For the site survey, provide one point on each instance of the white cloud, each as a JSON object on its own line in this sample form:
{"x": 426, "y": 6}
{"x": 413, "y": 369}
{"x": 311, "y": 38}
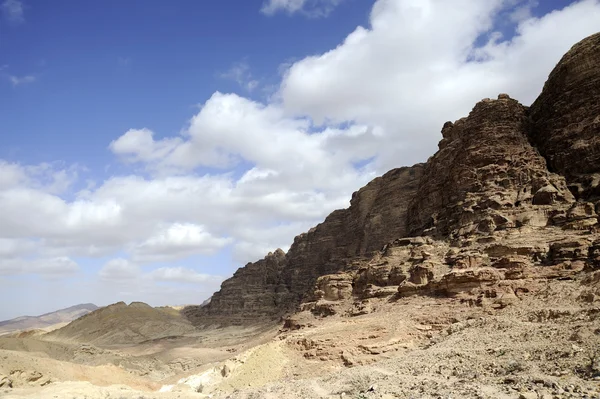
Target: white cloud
{"x": 240, "y": 73}
{"x": 522, "y": 10}
{"x": 13, "y": 11}
{"x": 59, "y": 266}
{"x": 230, "y": 129}
{"x": 11, "y": 174}
{"x": 310, "y": 8}
{"x": 417, "y": 66}
{"x": 138, "y": 145}
{"x": 177, "y": 241}
{"x": 126, "y": 272}
{"x": 18, "y": 81}
{"x": 11, "y": 248}
{"x": 183, "y": 275}
{"x": 119, "y": 269}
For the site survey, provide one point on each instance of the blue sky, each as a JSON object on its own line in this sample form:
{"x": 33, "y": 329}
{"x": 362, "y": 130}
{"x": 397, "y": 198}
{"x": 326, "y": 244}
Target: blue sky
{"x": 103, "y": 67}
{"x": 149, "y": 148}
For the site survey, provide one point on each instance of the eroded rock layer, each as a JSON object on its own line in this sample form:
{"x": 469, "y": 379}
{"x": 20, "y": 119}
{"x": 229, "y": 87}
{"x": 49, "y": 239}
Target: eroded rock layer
{"x": 488, "y": 214}
{"x": 485, "y": 176}
{"x": 566, "y": 118}
{"x": 279, "y": 282}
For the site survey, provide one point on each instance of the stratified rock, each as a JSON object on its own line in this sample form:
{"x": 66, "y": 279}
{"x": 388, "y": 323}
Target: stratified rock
{"x": 484, "y": 176}
{"x": 566, "y": 118}
{"x": 376, "y": 215}
{"x": 253, "y": 292}
{"x": 334, "y": 287}
{"x": 489, "y": 213}
{"x": 278, "y": 283}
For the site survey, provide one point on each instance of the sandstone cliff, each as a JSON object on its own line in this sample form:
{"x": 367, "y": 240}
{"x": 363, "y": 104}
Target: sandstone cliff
{"x": 566, "y": 118}
{"x": 278, "y": 283}
{"x": 485, "y": 176}
{"x": 490, "y": 212}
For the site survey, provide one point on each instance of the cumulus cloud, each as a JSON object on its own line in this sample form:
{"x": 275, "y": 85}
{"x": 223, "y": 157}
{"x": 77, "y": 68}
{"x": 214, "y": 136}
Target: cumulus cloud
{"x": 310, "y": 8}
{"x": 138, "y": 145}
{"x": 522, "y": 10}
{"x": 230, "y": 129}
{"x": 11, "y": 248}
{"x": 177, "y": 241}
{"x": 13, "y": 11}
{"x": 119, "y": 269}
{"x": 418, "y": 65}
{"x": 125, "y": 272}
{"x": 183, "y": 275}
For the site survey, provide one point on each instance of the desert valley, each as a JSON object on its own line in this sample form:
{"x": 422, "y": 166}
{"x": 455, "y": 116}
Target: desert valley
{"x": 473, "y": 275}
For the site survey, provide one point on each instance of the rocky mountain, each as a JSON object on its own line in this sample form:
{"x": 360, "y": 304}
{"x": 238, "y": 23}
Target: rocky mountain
{"x": 120, "y": 323}
{"x": 566, "y": 119}
{"x": 509, "y": 199}
{"x": 277, "y": 283}
{"x": 46, "y": 320}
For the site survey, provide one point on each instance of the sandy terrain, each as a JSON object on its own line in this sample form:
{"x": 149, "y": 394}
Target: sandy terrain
{"x": 545, "y": 346}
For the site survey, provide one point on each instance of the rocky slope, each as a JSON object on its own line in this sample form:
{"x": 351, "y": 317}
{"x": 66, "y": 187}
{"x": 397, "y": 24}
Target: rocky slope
{"x": 276, "y": 284}
{"x": 46, "y": 320}
{"x": 122, "y": 324}
{"x": 502, "y": 203}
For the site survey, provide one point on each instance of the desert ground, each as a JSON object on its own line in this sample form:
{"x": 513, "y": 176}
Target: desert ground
{"x": 545, "y": 345}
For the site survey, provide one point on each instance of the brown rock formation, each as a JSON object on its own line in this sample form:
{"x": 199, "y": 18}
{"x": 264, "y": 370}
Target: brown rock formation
{"x": 492, "y": 209}
{"x": 254, "y": 291}
{"x": 566, "y": 118}
{"x": 485, "y": 176}
{"x": 278, "y": 283}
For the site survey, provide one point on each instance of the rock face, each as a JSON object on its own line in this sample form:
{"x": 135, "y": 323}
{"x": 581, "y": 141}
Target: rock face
{"x": 566, "y": 118}
{"x": 279, "y": 282}
{"x": 254, "y": 291}
{"x": 485, "y": 176}
{"x": 490, "y": 211}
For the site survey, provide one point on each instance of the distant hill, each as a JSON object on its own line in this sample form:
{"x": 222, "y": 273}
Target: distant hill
{"x": 46, "y": 320}
{"x": 122, "y": 324}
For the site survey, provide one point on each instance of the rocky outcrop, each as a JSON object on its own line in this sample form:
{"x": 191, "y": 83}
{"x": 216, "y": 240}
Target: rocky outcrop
{"x": 486, "y": 176}
{"x": 566, "y": 119}
{"x": 279, "y": 282}
{"x": 490, "y": 212}
{"x": 254, "y": 291}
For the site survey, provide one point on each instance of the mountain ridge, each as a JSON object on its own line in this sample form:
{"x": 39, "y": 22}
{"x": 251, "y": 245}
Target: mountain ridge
{"x": 502, "y": 169}
{"x": 120, "y": 323}
{"x": 47, "y": 319}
